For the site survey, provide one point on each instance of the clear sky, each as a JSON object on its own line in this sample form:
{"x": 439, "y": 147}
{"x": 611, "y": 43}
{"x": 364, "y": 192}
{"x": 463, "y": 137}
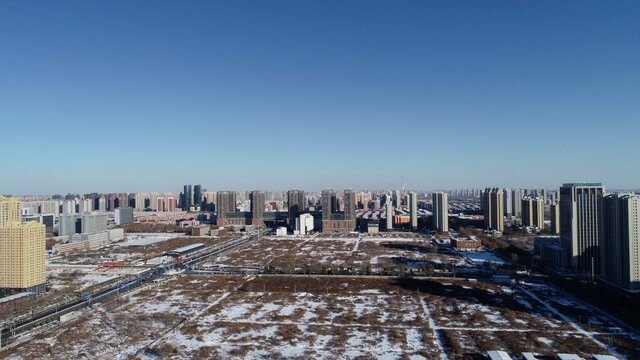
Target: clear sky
{"x": 134, "y": 96}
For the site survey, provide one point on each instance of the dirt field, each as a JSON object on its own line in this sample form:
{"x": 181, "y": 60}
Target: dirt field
{"x": 327, "y": 318}
{"x": 378, "y": 251}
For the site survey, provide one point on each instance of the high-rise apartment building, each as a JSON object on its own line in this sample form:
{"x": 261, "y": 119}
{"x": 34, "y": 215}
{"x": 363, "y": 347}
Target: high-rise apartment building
{"x": 257, "y": 198}
{"x": 516, "y": 202}
{"x": 492, "y": 205}
{"x": 85, "y": 205}
{"x": 209, "y": 201}
{"x": 295, "y": 203}
{"x": 620, "y": 247}
{"x": 413, "y": 209}
{"x": 389, "y": 214}
{"x": 508, "y": 202}
{"x": 329, "y": 203}
{"x": 171, "y": 204}
{"x": 102, "y": 205}
{"x": 555, "y": 218}
{"x": 10, "y": 211}
{"x": 141, "y": 201}
{"x": 153, "y": 201}
{"x": 349, "y": 204}
{"x": 22, "y": 250}
{"x": 332, "y": 219}
{"x": 225, "y": 203}
{"x": 533, "y": 212}
{"x": 581, "y": 224}
{"x": 440, "y": 203}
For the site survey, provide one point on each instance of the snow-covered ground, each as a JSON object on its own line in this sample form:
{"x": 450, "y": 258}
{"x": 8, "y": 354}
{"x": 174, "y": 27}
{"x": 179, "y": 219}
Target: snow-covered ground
{"x": 481, "y": 257}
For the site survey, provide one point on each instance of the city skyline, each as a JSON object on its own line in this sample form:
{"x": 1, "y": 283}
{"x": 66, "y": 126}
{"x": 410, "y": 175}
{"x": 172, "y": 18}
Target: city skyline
{"x": 318, "y": 191}
{"x": 172, "y": 91}
{"x": 297, "y": 179}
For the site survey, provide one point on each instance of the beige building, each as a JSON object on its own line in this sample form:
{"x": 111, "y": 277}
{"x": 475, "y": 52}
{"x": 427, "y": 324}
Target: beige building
{"x": 140, "y": 201}
{"x": 555, "y": 218}
{"x": 10, "y": 211}
{"x": 533, "y": 212}
{"x": 22, "y": 250}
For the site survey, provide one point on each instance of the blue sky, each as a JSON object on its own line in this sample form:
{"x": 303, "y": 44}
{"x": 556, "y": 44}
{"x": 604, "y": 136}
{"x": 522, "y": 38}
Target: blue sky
{"x": 149, "y": 95}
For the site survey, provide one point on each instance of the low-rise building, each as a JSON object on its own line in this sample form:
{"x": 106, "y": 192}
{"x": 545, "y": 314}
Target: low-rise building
{"x": 304, "y": 224}
{"x": 219, "y": 231}
{"x": 200, "y": 230}
{"x": 467, "y": 244}
{"x": 550, "y": 250}
{"x": 373, "y": 227}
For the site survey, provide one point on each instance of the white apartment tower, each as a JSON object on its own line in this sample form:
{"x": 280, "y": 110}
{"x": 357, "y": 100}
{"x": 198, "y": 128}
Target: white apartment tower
{"x": 413, "y": 208}
{"x": 440, "y": 211}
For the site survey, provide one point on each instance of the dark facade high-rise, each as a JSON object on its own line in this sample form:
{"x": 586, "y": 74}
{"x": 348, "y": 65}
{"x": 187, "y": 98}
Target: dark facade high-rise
{"x": 581, "y": 224}
{"x": 493, "y": 207}
{"x": 187, "y": 198}
{"x": 620, "y": 248}
{"x": 332, "y": 219}
{"x": 349, "y": 204}
{"x": 225, "y": 203}
{"x": 295, "y": 203}
{"x": 329, "y": 203}
{"x": 257, "y": 198}
{"x": 197, "y": 195}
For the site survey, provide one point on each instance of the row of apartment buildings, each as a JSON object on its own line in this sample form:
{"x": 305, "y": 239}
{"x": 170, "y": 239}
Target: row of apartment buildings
{"x": 598, "y": 231}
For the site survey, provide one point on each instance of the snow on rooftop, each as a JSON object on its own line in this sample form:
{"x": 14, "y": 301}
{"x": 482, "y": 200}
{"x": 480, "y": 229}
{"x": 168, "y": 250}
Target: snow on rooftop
{"x": 498, "y": 355}
{"x": 569, "y": 357}
{"x": 188, "y": 247}
{"x": 604, "y": 357}
{"x": 16, "y": 296}
{"x": 144, "y": 241}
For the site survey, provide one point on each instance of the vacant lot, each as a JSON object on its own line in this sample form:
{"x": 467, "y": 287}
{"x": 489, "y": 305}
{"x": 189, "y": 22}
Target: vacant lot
{"x": 327, "y": 317}
{"x": 322, "y": 252}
